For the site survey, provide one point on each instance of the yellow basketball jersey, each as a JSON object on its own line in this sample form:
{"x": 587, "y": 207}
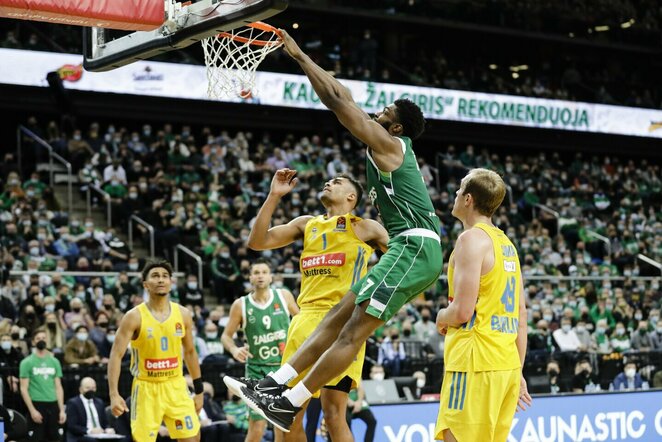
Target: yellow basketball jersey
{"x": 487, "y": 341}
{"x": 333, "y": 259}
{"x": 156, "y": 354}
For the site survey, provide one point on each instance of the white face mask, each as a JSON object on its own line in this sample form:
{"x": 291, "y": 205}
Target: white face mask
{"x": 420, "y": 383}
{"x": 81, "y": 336}
{"x": 630, "y": 372}
{"x": 566, "y": 328}
{"x": 213, "y": 335}
{"x": 111, "y": 338}
{"x": 192, "y": 285}
{"x": 378, "y": 376}
{"x": 6, "y": 345}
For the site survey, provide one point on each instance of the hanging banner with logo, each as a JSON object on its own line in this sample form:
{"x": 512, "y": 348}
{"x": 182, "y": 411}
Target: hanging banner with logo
{"x": 29, "y": 68}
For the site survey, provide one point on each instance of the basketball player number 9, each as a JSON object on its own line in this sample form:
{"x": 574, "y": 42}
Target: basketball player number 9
{"x": 266, "y": 320}
{"x": 508, "y": 297}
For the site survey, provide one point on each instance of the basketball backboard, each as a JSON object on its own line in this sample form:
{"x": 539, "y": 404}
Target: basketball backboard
{"x": 183, "y": 25}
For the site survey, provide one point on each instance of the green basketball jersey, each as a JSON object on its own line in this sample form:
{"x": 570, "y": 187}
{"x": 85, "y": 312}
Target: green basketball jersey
{"x": 265, "y": 328}
{"x": 401, "y": 196}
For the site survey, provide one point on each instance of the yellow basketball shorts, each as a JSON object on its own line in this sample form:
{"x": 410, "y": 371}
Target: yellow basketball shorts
{"x": 168, "y": 402}
{"x": 478, "y": 406}
{"x": 303, "y": 324}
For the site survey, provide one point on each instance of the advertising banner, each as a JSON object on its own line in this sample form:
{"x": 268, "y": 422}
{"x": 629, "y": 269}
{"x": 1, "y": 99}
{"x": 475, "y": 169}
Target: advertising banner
{"x": 634, "y": 416}
{"x": 29, "y": 68}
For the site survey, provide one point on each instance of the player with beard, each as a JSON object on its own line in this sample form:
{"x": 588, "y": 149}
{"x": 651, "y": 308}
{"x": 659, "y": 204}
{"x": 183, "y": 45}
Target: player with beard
{"x": 159, "y": 332}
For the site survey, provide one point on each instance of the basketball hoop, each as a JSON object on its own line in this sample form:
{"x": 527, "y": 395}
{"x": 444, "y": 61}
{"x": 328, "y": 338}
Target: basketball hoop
{"x": 232, "y": 58}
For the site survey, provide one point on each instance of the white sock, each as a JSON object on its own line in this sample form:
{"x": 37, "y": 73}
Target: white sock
{"x": 284, "y": 374}
{"x": 298, "y": 395}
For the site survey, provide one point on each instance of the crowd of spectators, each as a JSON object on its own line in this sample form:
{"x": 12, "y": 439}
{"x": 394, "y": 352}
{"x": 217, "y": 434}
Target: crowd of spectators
{"x": 559, "y": 17}
{"x": 202, "y": 187}
{"x": 411, "y": 57}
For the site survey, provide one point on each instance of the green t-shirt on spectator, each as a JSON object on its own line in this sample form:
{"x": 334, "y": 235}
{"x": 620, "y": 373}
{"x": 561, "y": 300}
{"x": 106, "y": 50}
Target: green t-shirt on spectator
{"x": 42, "y": 373}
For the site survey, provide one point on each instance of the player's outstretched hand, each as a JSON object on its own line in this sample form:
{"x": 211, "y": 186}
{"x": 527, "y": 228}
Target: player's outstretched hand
{"x": 290, "y": 46}
{"x": 118, "y": 406}
{"x": 241, "y": 354}
{"x": 524, "y": 400}
{"x": 283, "y": 182}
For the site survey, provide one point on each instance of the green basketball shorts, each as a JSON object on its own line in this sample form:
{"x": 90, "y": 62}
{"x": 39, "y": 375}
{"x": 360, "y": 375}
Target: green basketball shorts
{"x": 412, "y": 263}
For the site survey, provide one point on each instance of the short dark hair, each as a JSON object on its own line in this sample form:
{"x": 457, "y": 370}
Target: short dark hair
{"x": 152, "y": 264}
{"x": 357, "y": 186}
{"x": 264, "y": 261}
{"x": 37, "y": 331}
{"x": 82, "y": 326}
{"x": 410, "y": 117}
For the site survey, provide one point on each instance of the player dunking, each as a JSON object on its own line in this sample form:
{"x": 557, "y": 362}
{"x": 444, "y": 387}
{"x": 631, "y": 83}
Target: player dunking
{"x": 160, "y": 334}
{"x": 264, "y": 315}
{"x": 485, "y": 324}
{"x": 335, "y": 256}
{"x": 411, "y": 264}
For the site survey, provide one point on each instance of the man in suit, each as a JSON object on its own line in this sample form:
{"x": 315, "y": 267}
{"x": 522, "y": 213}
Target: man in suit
{"x": 86, "y": 414}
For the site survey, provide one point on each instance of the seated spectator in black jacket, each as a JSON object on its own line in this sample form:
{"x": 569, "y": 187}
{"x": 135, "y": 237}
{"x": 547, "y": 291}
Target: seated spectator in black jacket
{"x": 555, "y": 383}
{"x": 86, "y": 414}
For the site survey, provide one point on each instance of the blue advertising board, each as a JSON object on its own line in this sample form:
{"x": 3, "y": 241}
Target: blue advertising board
{"x": 633, "y": 416}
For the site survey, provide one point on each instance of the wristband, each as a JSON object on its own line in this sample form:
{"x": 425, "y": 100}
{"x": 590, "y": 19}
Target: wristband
{"x": 198, "y": 388}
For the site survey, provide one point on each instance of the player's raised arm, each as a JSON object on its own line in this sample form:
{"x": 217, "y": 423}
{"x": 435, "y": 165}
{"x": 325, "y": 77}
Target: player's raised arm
{"x": 264, "y": 238}
{"x": 129, "y": 324}
{"x": 338, "y": 99}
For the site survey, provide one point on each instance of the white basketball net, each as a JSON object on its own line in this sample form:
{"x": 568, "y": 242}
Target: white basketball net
{"x": 232, "y": 58}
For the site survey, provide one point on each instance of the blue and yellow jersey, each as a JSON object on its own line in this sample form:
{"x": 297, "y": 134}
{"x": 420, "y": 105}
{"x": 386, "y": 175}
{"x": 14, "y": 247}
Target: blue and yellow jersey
{"x": 487, "y": 341}
{"x": 156, "y": 354}
{"x": 333, "y": 259}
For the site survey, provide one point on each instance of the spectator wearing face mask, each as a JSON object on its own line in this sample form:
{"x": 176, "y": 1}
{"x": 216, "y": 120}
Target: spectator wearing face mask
{"x": 115, "y": 172}
{"x": 629, "y": 379}
{"x": 16, "y": 341}
{"x": 80, "y": 350}
{"x": 603, "y": 310}
{"x": 620, "y": 340}
{"x": 28, "y": 319}
{"x": 584, "y": 379}
{"x": 565, "y": 337}
{"x": 226, "y": 276}
{"x": 554, "y": 373}
{"x": 601, "y": 341}
{"x": 41, "y": 390}
{"x": 55, "y": 338}
{"x": 10, "y": 358}
{"x": 656, "y": 337}
{"x": 213, "y": 343}
{"x": 192, "y": 294}
{"x": 641, "y": 339}
{"x": 584, "y": 336}
{"x": 86, "y": 414}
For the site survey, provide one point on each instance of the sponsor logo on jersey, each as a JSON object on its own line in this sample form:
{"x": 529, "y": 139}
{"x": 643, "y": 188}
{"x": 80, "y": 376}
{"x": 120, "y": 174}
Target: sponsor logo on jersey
{"x": 314, "y": 232}
{"x": 179, "y": 330}
{"x": 270, "y": 337}
{"x": 150, "y": 332}
{"x": 179, "y": 425}
{"x": 326, "y": 260}
{"x": 161, "y": 364}
{"x": 341, "y": 224}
